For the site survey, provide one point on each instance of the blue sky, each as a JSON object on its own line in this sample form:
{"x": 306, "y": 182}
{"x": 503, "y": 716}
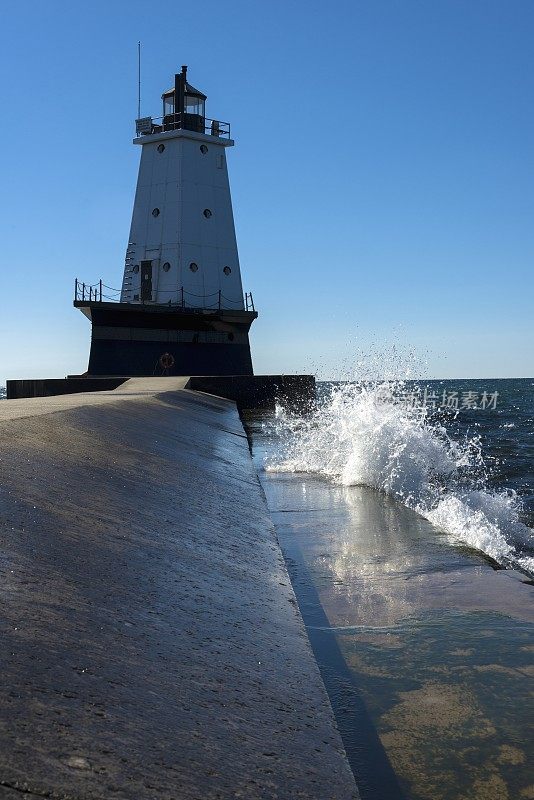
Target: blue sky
{"x": 382, "y": 179}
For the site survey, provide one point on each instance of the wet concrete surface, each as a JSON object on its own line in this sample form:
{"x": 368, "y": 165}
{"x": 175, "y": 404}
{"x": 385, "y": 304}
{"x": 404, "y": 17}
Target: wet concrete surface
{"x": 152, "y": 646}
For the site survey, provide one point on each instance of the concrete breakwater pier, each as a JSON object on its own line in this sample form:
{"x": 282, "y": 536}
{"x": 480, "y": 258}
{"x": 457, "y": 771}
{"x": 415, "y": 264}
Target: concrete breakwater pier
{"x": 248, "y": 391}
{"x": 152, "y": 646}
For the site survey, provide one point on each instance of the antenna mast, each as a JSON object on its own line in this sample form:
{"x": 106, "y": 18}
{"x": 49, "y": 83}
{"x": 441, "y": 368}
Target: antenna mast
{"x": 138, "y": 80}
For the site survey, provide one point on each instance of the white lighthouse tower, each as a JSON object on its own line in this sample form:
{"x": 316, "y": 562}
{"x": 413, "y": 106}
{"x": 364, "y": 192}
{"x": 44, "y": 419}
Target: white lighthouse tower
{"x": 182, "y": 308}
{"x": 182, "y": 240}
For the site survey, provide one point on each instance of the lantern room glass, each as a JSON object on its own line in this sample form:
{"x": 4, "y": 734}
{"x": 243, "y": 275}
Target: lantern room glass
{"x": 194, "y": 105}
{"x": 168, "y": 104}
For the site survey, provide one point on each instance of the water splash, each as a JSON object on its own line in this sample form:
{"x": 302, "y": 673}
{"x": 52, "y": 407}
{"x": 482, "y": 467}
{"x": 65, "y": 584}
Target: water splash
{"x": 359, "y": 436}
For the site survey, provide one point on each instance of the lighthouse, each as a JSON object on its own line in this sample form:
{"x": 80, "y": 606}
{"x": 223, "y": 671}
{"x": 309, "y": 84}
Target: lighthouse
{"x": 181, "y": 309}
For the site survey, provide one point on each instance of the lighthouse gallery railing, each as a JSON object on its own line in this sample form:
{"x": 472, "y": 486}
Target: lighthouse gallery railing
{"x": 101, "y": 293}
{"x": 146, "y": 126}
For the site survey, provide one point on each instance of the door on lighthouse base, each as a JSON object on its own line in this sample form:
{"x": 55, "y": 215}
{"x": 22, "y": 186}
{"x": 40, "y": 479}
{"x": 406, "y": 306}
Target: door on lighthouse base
{"x": 146, "y": 281}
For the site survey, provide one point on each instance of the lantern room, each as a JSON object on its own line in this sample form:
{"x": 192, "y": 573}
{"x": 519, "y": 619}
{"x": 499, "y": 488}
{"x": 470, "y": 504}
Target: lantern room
{"x": 184, "y": 106}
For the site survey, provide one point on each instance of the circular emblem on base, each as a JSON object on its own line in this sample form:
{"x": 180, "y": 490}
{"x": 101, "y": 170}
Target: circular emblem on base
{"x": 166, "y": 361}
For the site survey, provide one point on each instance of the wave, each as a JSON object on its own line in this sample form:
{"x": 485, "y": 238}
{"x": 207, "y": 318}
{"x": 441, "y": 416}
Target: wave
{"x": 361, "y": 435}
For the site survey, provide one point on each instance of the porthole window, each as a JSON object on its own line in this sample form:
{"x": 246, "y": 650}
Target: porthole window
{"x": 227, "y": 270}
{"x": 193, "y": 267}
{"x": 166, "y": 266}
{"x": 155, "y": 212}
{"x": 161, "y": 148}
{"x": 203, "y": 149}
{"x": 135, "y": 268}
{"x": 207, "y": 213}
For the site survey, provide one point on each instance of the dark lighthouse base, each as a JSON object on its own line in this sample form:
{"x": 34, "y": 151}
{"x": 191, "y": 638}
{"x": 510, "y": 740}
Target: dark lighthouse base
{"x": 146, "y": 340}
{"x": 209, "y": 349}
